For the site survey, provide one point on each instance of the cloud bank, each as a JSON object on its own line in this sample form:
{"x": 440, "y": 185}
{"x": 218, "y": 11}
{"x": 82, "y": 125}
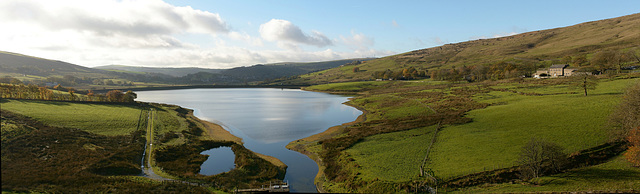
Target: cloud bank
{"x": 285, "y": 32}
{"x": 155, "y": 33}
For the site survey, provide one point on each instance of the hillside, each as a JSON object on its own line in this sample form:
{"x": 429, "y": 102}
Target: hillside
{"x": 19, "y": 65}
{"x": 38, "y": 71}
{"x": 541, "y": 48}
{"x": 175, "y": 72}
{"x": 471, "y": 134}
{"x": 237, "y": 75}
{"x": 278, "y": 70}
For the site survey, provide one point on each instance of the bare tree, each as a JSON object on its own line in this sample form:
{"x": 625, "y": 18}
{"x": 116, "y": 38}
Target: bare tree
{"x": 584, "y": 81}
{"x": 539, "y": 157}
{"x": 626, "y": 116}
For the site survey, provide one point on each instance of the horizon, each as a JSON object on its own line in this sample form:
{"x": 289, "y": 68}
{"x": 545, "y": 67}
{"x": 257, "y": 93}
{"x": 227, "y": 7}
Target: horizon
{"x": 224, "y": 35}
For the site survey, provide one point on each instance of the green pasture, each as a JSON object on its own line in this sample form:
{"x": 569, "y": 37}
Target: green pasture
{"x": 348, "y": 86}
{"x": 615, "y": 175}
{"x": 392, "y": 156}
{"x": 104, "y": 119}
{"x": 167, "y": 120}
{"x": 497, "y": 133}
{"x": 392, "y": 107}
{"x": 495, "y": 136}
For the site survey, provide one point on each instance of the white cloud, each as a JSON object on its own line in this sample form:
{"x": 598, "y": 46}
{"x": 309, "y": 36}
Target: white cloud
{"x": 286, "y": 33}
{"x": 136, "y": 24}
{"x": 154, "y": 33}
{"x": 246, "y": 38}
{"x": 358, "y": 41}
{"x": 108, "y": 17}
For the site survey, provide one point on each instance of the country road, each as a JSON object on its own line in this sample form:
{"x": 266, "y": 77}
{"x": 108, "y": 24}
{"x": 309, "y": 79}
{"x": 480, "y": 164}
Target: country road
{"x": 148, "y": 151}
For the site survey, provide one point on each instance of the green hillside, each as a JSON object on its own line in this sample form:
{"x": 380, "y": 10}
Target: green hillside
{"x": 539, "y": 48}
{"x": 38, "y": 71}
{"x": 484, "y": 127}
{"x": 175, "y": 72}
{"x": 22, "y": 66}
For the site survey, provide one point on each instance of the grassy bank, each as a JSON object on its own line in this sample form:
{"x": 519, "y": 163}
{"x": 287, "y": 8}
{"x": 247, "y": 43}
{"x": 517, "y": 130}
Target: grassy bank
{"x": 99, "y": 146}
{"x": 498, "y": 132}
{"x": 497, "y": 119}
{"x": 114, "y": 119}
{"x": 615, "y": 175}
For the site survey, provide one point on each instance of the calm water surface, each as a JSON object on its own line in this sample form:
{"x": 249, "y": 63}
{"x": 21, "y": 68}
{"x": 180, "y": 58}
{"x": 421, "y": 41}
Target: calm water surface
{"x": 266, "y": 119}
{"x": 220, "y": 158}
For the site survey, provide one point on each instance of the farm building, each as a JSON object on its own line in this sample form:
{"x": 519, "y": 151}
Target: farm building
{"x": 557, "y": 70}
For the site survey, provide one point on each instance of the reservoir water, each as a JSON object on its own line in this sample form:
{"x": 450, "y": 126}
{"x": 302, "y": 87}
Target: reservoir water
{"x": 266, "y": 119}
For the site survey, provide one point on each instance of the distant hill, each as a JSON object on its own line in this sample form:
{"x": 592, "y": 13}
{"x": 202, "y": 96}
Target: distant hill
{"x": 238, "y": 75}
{"x": 585, "y": 39}
{"x": 39, "y": 71}
{"x": 278, "y": 70}
{"x": 18, "y": 65}
{"x": 175, "y": 72}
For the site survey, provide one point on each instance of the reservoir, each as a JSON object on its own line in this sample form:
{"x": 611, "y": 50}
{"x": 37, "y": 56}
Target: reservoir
{"x": 266, "y": 119}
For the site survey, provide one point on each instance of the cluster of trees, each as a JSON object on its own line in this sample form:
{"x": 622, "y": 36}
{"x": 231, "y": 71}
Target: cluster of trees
{"x": 110, "y": 82}
{"x": 21, "y": 91}
{"x": 496, "y": 71}
{"x": 405, "y": 74}
{"x": 28, "y": 92}
{"x": 624, "y": 123}
{"x": 119, "y": 96}
{"x": 67, "y": 80}
{"x": 613, "y": 59}
{"x": 540, "y": 157}
{"x": 599, "y": 62}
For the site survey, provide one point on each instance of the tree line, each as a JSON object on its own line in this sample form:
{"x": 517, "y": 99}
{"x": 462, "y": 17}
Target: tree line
{"x": 611, "y": 62}
{"x": 405, "y": 74}
{"x": 59, "y": 93}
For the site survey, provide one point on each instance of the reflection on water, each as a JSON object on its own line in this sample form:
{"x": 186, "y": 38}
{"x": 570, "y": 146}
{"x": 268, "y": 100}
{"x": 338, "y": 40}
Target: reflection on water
{"x": 220, "y": 160}
{"x": 267, "y": 120}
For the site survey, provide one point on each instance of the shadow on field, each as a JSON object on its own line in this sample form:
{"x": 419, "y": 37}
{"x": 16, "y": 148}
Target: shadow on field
{"x": 607, "y": 94}
{"x": 602, "y": 174}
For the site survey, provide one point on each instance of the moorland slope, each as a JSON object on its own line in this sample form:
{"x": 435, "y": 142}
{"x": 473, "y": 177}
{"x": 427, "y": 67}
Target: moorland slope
{"x": 541, "y": 48}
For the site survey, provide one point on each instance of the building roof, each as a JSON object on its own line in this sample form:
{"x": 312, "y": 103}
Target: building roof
{"x": 558, "y": 66}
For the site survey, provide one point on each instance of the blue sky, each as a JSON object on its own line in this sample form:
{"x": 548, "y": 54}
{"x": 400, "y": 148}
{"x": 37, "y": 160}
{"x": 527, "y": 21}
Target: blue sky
{"x": 225, "y": 34}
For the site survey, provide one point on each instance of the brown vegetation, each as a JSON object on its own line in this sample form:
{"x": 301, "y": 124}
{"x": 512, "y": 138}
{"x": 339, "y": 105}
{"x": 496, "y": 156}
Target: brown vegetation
{"x": 449, "y": 109}
{"x": 627, "y": 116}
{"x": 34, "y": 92}
{"x": 63, "y": 160}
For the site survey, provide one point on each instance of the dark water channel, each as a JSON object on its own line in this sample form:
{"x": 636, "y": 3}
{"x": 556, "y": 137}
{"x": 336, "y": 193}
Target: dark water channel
{"x": 266, "y": 119}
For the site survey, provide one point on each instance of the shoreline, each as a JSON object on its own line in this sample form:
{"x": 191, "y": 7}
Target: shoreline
{"x": 218, "y": 133}
{"x": 304, "y": 145}
{"x": 137, "y": 89}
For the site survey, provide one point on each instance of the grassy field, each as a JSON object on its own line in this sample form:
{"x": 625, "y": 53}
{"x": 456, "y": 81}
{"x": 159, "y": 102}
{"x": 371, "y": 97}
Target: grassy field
{"x": 167, "y": 121}
{"x": 498, "y": 132}
{"x": 615, "y": 175}
{"x": 516, "y": 112}
{"x": 348, "y": 86}
{"x": 400, "y": 163}
{"x": 101, "y": 119}
{"x": 107, "y": 141}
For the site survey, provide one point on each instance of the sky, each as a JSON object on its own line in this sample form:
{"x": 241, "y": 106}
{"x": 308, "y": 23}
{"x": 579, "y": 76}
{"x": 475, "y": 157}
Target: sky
{"x": 223, "y": 34}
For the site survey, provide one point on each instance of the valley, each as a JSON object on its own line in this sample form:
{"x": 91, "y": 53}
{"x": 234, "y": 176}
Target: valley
{"x": 551, "y": 110}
